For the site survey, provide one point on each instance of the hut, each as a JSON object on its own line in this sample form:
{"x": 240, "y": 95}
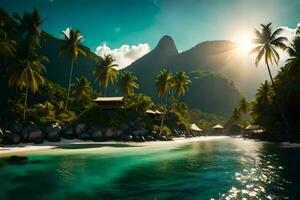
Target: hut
{"x": 109, "y": 103}
{"x": 195, "y": 128}
{"x": 156, "y": 115}
{"x": 218, "y": 129}
{"x": 253, "y": 130}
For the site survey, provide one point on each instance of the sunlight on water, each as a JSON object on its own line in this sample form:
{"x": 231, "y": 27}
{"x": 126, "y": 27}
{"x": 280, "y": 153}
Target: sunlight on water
{"x": 217, "y": 169}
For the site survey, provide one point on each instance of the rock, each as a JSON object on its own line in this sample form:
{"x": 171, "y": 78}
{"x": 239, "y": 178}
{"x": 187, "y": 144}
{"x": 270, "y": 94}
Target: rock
{"x": 96, "y": 133}
{"x": 31, "y": 127}
{"x": 16, "y": 127}
{"x": 80, "y": 128}
{"x": 14, "y": 138}
{"x": 68, "y": 132}
{"x": 141, "y": 131}
{"x": 149, "y": 138}
{"x": 128, "y": 138}
{"x": 36, "y": 136}
{"x": 84, "y": 136}
{"x": 52, "y": 132}
{"x": 109, "y": 132}
{"x": 17, "y": 160}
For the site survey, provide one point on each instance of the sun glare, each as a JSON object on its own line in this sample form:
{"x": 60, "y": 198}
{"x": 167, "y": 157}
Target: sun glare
{"x": 244, "y": 43}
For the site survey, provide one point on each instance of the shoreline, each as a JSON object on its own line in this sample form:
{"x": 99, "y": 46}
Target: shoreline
{"x": 9, "y": 150}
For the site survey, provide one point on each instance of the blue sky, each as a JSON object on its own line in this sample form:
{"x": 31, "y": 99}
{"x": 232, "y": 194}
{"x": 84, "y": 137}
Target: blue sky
{"x": 118, "y": 22}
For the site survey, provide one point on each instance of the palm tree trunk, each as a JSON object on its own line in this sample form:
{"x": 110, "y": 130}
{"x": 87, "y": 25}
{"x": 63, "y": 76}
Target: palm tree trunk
{"x": 163, "y": 117}
{"x": 69, "y": 86}
{"x": 25, "y": 103}
{"x": 282, "y": 113}
{"x": 105, "y": 88}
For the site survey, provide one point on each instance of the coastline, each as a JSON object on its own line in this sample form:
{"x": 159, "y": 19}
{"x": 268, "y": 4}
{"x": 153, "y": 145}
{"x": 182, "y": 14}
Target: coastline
{"x": 22, "y": 148}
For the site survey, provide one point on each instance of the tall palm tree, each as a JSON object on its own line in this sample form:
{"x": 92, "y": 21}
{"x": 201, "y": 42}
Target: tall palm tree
{"x": 267, "y": 42}
{"x": 72, "y": 48}
{"x": 164, "y": 83}
{"x": 127, "y": 83}
{"x": 27, "y": 73}
{"x": 82, "y": 88}
{"x": 7, "y": 46}
{"x": 30, "y": 24}
{"x": 181, "y": 81}
{"x": 105, "y": 71}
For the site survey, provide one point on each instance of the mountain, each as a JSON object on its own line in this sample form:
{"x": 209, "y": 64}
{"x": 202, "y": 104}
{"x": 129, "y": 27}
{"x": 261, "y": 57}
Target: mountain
{"x": 210, "y": 92}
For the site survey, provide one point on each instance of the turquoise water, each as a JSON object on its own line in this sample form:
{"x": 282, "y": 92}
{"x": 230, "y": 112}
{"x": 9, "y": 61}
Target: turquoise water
{"x": 224, "y": 168}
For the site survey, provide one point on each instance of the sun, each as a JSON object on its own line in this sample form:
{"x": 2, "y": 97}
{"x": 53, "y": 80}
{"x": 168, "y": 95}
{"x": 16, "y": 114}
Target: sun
{"x": 244, "y": 43}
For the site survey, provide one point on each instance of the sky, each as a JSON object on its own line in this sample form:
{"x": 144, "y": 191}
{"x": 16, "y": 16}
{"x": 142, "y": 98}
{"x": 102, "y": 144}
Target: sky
{"x": 130, "y": 28}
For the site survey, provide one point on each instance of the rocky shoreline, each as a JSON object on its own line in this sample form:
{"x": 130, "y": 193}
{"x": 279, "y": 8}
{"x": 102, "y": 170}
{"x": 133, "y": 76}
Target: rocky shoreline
{"x": 18, "y": 133}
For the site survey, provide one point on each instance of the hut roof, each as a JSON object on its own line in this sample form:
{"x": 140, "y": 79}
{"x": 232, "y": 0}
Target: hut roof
{"x": 218, "y": 126}
{"x": 253, "y": 127}
{"x": 154, "y": 112}
{"x": 99, "y": 99}
{"x": 194, "y": 127}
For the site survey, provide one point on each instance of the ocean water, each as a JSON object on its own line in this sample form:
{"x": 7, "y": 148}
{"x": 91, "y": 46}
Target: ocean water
{"x": 225, "y": 168}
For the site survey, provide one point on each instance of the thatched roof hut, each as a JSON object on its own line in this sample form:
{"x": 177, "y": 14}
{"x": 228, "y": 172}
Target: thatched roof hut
{"x": 194, "y": 127}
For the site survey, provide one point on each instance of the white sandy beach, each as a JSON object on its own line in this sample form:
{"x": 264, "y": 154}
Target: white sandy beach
{"x": 24, "y": 148}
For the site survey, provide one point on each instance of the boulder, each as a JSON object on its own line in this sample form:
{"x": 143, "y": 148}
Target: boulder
{"x": 141, "y": 132}
{"x": 36, "y": 136}
{"x": 127, "y": 138}
{"x": 30, "y": 127}
{"x": 13, "y": 138}
{"x": 84, "y": 136}
{"x": 67, "y": 132}
{"x": 16, "y": 127}
{"x": 95, "y": 133}
{"x": 109, "y": 132}
{"x": 80, "y": 128}
{"x": 52, "y": 132}
{"x": 149, "y": 138}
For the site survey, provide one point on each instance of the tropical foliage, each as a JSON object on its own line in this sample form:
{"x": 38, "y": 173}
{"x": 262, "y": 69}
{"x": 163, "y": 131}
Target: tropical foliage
{"x": 127, "y": 83}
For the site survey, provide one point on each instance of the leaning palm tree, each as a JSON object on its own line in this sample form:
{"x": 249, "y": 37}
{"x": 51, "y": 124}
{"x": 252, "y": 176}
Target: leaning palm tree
{"x": 181, "y": 82}
{"x": 267, "y": 42}
{"x": 105, "y": 71}
{"x": 30, "y": 24}
{"x": 72, "y": 48}
{"x": 127, "y": 83}
{"x": 164, "y": 83}
{"x": 7, "y": 46}
{"x": 27, "y": 74}
{"x": 82, "y": 88}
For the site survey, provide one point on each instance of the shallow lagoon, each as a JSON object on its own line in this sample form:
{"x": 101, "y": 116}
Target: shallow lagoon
{"x": 224, "y": 168}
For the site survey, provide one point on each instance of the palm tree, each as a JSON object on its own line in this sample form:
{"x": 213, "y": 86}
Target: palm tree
{"x": 294, "y": 53}
{"x": 30, "y": 24}
{"x": 181, "y": 82}
{"x": 164, "y": 83}
{"x": 7, "y": 46}
{"x": 127, "y": 83}
{"x": 45, "y": 109}
{"x": 26, "y": 73}
{"x": 262, "y": 102}
{"x": 73, "y": 48}
{"x": 267, "y": 42}
{"x": 243, "y": 106}
{"x": 82, "y": 88}
{"x": 105, "y": 71}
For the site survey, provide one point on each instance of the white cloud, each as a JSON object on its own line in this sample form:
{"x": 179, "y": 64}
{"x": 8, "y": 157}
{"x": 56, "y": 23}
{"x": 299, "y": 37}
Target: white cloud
{"x": 125, "y": 55}
{"x": 290, "y": 33}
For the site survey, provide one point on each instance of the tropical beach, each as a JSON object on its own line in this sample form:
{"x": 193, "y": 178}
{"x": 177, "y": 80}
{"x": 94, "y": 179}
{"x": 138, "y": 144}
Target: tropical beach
{"x": 152, "y": 99}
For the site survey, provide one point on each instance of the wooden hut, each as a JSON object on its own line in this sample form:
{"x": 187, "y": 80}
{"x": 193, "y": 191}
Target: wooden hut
{"x": 156, "y": 115}
{"x": 109, "y": 103}
{"x": 218, "y": 129}
{"x": 253, "y": 130}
